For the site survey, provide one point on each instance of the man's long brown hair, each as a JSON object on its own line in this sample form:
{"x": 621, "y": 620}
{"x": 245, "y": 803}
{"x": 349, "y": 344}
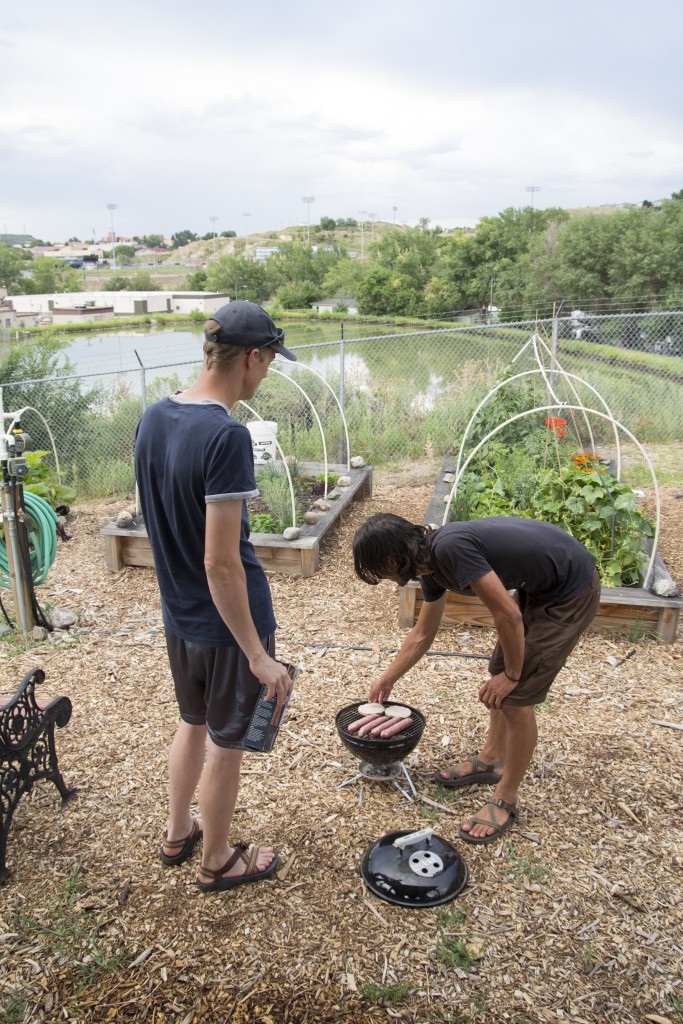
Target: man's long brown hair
{"x": 389, "y": 545}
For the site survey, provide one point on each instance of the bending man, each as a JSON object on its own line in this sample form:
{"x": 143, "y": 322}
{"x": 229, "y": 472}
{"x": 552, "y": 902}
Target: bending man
{"x": 557, "y": 592}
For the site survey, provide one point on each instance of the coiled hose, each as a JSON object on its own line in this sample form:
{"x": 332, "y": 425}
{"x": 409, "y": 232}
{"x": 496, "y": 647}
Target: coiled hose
{"x": 42, "y": 535}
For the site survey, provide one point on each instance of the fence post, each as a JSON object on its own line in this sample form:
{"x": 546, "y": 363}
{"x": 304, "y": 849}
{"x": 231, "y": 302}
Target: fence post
{"x": 143, "y": 381}
{"x": 341, "y": 393}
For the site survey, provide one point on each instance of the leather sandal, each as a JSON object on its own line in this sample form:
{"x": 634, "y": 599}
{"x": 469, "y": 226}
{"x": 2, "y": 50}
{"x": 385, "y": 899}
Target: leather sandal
{"x": 480, "y": 773}
{"x": 183, "y": 846}
{"x": 491, "y": 822}
{"x": 248, "y": 854}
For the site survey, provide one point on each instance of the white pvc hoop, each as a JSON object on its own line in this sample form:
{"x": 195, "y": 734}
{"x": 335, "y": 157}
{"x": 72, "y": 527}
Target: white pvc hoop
{"x": 304, "y": 366}
{"x": 559, "y": 405}
{"x": 317, "y": 418}
{"x": 284, "y": 461}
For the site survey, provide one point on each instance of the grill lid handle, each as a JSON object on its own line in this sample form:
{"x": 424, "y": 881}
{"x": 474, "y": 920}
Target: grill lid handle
{"x": 413, "y": 837}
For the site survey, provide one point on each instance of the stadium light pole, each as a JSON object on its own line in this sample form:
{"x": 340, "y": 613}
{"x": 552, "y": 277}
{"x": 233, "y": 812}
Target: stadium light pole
{"x": 246, "y": 234}
{"x": 308, "y": 200}
{"x": 394, "y": 208}
{"x": 362, "y": 213}
{"x": 111, "y": 207}
{"x": 213, "y": 221}
{"x": 532, "y": 189}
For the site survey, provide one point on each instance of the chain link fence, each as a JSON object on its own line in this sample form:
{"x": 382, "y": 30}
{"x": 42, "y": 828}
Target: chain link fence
{"x": 406, "y": 394}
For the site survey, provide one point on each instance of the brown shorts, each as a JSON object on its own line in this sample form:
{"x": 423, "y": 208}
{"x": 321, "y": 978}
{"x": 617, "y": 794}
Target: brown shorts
{"x": 215, "y": 687}
{"x": 551, "y": 632}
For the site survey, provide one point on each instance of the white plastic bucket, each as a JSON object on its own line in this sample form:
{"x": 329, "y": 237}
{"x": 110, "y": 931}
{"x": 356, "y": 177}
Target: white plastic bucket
{"x": 263, "y": 434}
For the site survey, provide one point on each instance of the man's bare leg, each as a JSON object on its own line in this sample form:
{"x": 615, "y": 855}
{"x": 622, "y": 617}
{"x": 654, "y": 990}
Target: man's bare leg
{"x": 493, "y": 751}
{"x": 185, "y": 763}
{"x": 217, "y": 798}
{"x": 521, "y": 739}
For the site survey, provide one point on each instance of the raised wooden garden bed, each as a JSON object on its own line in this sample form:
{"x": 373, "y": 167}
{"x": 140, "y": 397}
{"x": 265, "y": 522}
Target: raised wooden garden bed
{"x": 623, "y": 608}
{"x": 301, "y": 557}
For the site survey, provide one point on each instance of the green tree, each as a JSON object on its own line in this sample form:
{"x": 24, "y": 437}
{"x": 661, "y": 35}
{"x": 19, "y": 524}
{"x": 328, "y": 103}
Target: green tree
{"x": 62, "y": 402}
{"x": 183, "y": 238}
{"x": 228, "y": 234}
{"x": 387, "y": 292}
{"x": 153, "y": 241}
{"x": 125, "y": 252}
{"x": 48, "y": 275}
{"x": 197, "y": 282}
{"x": 297, "y": 295}
{"x": 12, "y": 265}
{"x": 241, "y": 278}
{"x": 327, "y": 223}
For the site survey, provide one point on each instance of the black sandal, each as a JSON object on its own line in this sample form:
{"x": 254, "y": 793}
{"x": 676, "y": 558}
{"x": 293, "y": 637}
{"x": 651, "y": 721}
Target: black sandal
{"x": 491, "y": 822}
{"x": 480, "y": 773}
{"x": 183, "y": 846}
{"x": 241, "y": 852}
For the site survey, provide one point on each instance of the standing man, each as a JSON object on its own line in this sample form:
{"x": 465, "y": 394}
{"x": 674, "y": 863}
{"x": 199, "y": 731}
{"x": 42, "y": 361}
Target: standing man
{"x": 195, "y": 470}
{"x": 557, "y": 593}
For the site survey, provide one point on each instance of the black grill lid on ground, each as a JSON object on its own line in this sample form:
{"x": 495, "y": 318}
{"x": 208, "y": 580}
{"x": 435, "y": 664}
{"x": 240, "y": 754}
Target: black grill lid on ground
{"x": 414, "y": 869}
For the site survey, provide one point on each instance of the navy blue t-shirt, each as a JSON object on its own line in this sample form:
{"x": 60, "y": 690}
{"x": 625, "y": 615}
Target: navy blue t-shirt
{"x": 188, "y": 454}
{"x": 527, "y": 554}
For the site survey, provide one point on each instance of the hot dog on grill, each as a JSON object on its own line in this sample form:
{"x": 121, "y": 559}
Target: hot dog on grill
{"x": 376, "y": 729}
{"x": 395, "y": 725}
{"x": 355, "y": 726}
{"x": 365, "y": 729}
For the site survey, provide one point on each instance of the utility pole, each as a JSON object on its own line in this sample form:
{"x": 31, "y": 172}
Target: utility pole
{"x": 213, "y": 221}
{"x": 308, "y": 200}
{"x": 111, "y": 207}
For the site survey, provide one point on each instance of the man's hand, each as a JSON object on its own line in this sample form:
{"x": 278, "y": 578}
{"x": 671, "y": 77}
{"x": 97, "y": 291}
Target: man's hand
{"x": 495, "y": 690}
{"x": 379, "y": 691}
{"x": 274, "y": 675}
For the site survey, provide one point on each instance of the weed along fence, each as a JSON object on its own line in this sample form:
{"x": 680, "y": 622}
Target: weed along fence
{"x": 297, "y": 557}
{"x": 530, "y": 450}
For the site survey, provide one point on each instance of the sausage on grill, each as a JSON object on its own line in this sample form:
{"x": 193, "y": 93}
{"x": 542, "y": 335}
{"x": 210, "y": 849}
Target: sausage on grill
{"x": 396, "y": 725}
{"x": 355, "y": 726}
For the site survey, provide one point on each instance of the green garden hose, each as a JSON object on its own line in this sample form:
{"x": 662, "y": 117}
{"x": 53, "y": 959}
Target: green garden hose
{"x": 42, "y": 522}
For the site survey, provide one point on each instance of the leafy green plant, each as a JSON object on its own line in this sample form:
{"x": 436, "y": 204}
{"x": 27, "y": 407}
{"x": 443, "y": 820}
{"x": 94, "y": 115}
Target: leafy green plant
{"x": 332, "y": 479}
{"x": 387, "y": 995}
{"x": 260, "y": 522}
{"x": 43, "y": 480}
{"x": 583, "y": 499}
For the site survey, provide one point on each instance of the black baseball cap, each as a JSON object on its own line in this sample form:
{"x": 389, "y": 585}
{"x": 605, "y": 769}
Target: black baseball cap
{"x": 245, "y": 323}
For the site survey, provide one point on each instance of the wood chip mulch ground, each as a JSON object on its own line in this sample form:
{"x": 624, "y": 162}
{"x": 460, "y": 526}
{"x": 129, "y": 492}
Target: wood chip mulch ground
{"x": 575, "y": 915}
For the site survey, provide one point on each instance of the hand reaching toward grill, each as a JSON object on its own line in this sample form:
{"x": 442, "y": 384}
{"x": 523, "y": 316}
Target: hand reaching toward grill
{"x": 379, "y": 691}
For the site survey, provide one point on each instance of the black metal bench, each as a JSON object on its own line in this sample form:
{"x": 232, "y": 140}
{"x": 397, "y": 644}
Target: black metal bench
{"x": 27, "y": 750}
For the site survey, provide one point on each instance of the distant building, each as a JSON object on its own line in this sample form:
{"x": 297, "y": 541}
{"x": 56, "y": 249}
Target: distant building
{"x": 77, "y": 305}
{"x": 329, "y": 305}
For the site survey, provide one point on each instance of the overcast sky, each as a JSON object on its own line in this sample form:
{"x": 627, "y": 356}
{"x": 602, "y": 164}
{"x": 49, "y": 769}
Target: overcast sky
{"x": 179, "y": 112}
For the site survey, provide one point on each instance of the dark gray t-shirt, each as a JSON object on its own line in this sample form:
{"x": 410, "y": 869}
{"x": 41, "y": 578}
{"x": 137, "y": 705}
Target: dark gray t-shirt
{"x": 527, "y": 554}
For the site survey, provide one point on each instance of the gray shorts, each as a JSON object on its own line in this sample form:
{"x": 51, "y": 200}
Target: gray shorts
{"x": 215, "y": 687}
{"x": 551, "y": 632}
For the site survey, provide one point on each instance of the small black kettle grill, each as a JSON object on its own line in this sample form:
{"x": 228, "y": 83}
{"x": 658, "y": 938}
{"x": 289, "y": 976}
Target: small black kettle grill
{"x": 380, "y": 760}
{"x": 414, "y": 869}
